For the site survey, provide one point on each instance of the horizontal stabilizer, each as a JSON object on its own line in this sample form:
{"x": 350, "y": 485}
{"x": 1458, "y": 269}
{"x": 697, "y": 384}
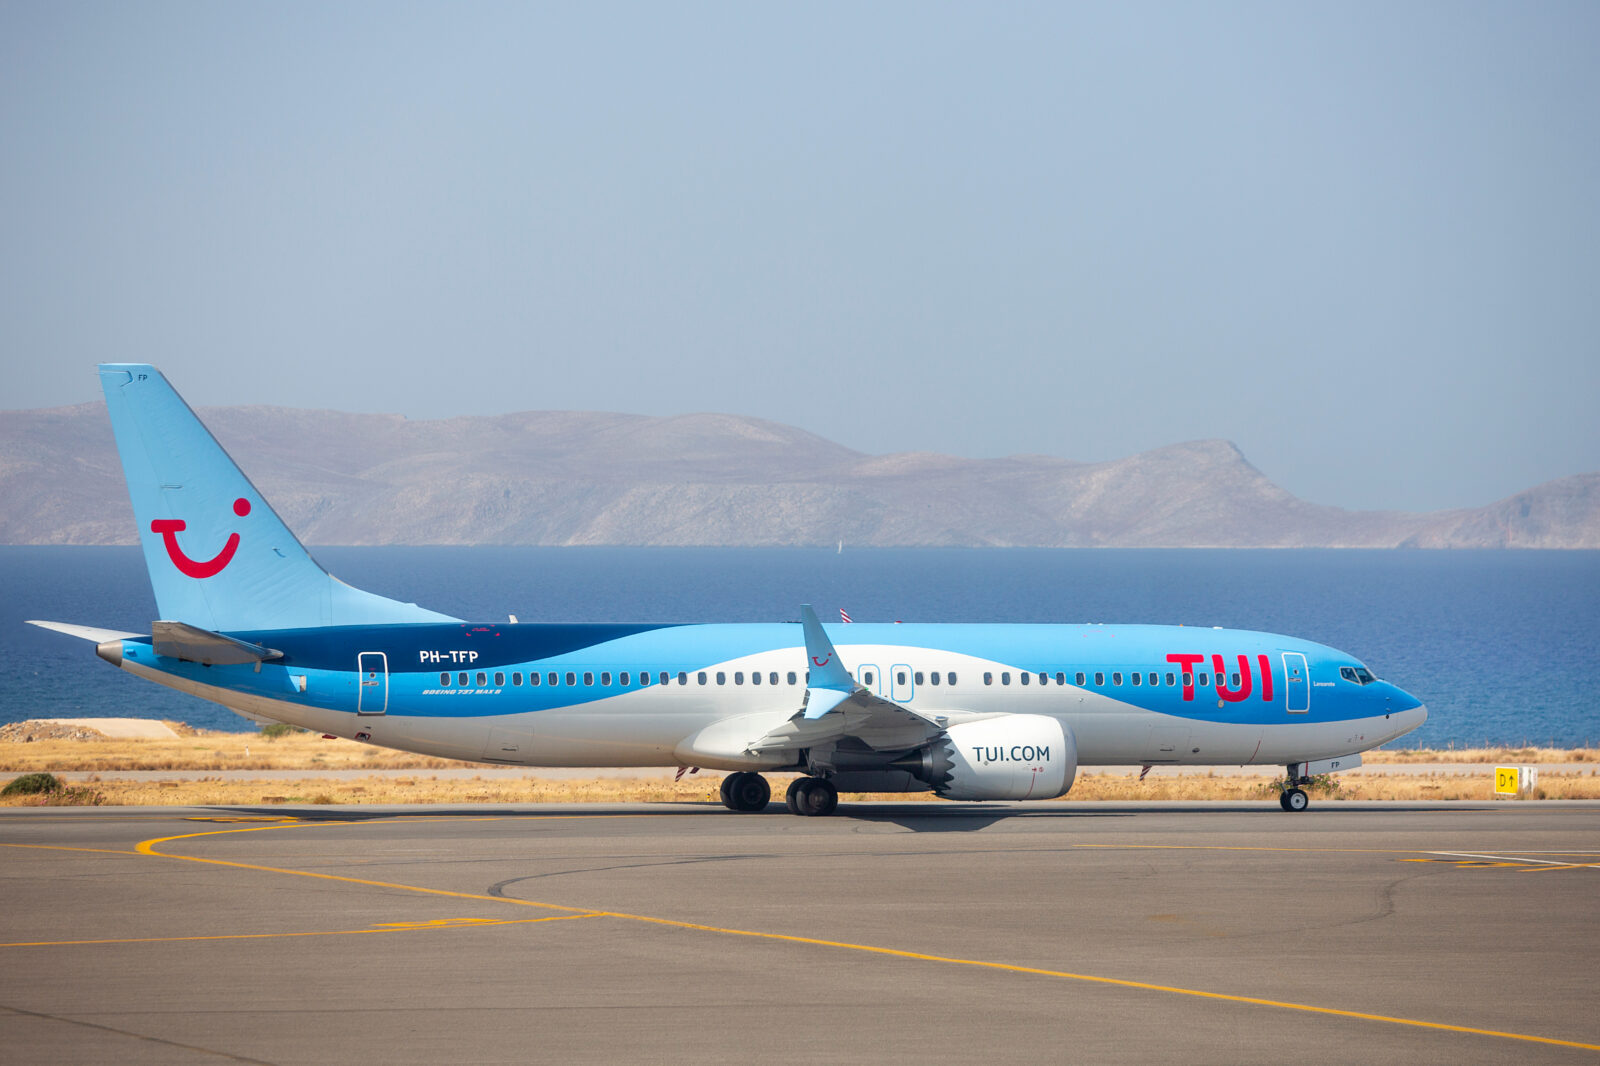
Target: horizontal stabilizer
{"x": 99, "y": 636}
{"x": 177, "y": 640}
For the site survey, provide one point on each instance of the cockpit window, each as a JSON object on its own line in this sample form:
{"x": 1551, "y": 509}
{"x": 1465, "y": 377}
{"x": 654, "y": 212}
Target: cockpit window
{"x": 1360, "y": 675}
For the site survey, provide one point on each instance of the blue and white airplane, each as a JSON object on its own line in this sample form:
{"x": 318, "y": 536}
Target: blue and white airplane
{"x": 971, "y": 712}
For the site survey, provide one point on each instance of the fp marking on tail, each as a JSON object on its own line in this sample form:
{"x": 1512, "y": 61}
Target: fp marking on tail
{"x": 169, "y": 528}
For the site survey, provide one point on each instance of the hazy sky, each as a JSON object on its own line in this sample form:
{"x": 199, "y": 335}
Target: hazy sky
{"x": 1360, "y": 239}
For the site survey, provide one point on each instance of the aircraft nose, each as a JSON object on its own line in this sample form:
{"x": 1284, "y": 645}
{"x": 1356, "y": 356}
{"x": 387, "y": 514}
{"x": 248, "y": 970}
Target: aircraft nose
{"x": 1409, "y": 720}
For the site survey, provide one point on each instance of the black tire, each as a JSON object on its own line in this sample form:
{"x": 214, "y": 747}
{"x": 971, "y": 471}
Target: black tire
{"x": 813, "y": 797}
{"x": 727, "y": 800}
{"x": 1283, "y": 799}
{"x": 830, "y": 798}
{"x": 1296, "y": 800}
{"x": 748, "y": 792}
{"x": 791, "y": 798}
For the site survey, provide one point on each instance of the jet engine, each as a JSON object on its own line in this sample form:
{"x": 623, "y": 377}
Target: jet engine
{"x": 1019, "y": 756}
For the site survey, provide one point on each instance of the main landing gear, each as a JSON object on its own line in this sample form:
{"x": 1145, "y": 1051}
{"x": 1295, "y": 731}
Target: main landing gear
{"x": 812, "y": 796}
{"x": 745, "y": 792}
{"x": 748, "y": 792}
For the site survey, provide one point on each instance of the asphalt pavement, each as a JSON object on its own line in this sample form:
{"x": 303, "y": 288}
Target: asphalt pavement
{"x": 1082, "y": 932}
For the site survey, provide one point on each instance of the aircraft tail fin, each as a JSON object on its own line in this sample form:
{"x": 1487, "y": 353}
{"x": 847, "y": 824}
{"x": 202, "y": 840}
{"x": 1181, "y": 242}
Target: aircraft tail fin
{"x": 219, "y": 557}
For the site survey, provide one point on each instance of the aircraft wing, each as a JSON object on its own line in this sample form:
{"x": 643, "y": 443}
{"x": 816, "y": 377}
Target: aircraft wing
{"x": 837, "y": 707}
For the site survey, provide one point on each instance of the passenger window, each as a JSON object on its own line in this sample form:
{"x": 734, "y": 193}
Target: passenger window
{"x": 988, "y": 678}
{"x": 483, "y": 679}
{"x": 444, "y": 679}
{"x": 499, "y": 679}
{"x": 722, "y": 678}
{"x": 683, "y": 678}
{"x": 533, "y": 678}
{"x": 738, "y": 677}
{"x": 1005, "y": 677}
{"x": 554, "y": 679}
{"x": 917, "y": 677}
{"x": 1025, "y": 678}
{"x": 605, "y": 678}
{"x": 1235, "y": 681}
{"x": 1188, "y": 679}
{"x": 1099, "y": 678}
{"x": 755, "y": 677}
{"x": 702, "y": 677}
{"x": 900, "y": 677}
{"x": 1171, "y": 679}
{"x": 461, "y": 679}
{"x": 1155, "y": 679}
{"x": 1116, "y": 677}
{"x": 1204, "y": 679}
{"x": 1219, "y": 680}
{"x": 950, "y": 678}
{"x": 644, "y": 678}
{"x": 588, "y": 678}
{"x": 1079, "y": 679}
{"x": 772, "y": 678}
{"x": 516, "y": 678}
{"x": 622, "y": 679}
{"x": 1135, "y": 678}
{"x": 1044, "y": 679}
{"x": 1061, "y": 678}
{"x": 791, "y": 677}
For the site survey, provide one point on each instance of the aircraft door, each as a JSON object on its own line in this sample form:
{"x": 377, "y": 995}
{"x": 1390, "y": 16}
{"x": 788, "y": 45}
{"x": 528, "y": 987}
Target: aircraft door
{"x": 1297, "y": 683}
{"x": 372, "y": 677}
{"x": 902, "y": 685}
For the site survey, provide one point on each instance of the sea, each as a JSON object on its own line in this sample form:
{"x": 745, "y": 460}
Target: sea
{"x": 1503, "y": 646}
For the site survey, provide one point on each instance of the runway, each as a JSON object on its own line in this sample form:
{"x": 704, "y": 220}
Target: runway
{"x": 891, "y": 933}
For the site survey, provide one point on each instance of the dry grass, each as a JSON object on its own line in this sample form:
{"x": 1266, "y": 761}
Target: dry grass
{"x": 309, "y": 752}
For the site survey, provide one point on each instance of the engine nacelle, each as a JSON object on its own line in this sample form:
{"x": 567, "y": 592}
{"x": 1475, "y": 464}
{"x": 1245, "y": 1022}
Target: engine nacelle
{"x": 1017, "y": 757}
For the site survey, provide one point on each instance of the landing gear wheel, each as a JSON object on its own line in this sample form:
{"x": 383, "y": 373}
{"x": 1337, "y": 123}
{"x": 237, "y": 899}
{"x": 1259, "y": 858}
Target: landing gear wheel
{"x": 745, "y": 792}
{"x": 1283, "y": 799}
{"x": 811, "y": 796}
{"x": 1296, "y": 800}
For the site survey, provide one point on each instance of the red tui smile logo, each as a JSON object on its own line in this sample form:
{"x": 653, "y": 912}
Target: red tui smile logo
{"x": 169, "y": 528}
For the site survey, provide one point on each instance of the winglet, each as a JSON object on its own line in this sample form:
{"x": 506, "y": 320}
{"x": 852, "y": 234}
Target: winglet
{"x": 830, "y": 683}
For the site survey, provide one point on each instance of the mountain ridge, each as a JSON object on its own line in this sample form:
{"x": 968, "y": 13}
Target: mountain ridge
{"x": 574, "y": 477}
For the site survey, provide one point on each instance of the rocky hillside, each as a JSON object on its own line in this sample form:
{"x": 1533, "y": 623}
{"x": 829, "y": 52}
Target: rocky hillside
{"x": 557, "y": 477}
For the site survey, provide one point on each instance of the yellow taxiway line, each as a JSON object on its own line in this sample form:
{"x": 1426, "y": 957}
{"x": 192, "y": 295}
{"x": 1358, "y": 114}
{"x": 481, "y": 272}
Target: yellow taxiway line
{"x": 149, "y": 847}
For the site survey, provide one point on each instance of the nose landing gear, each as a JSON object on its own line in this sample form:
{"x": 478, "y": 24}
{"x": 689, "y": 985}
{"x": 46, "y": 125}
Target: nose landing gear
{"x": 1294, "y": 798}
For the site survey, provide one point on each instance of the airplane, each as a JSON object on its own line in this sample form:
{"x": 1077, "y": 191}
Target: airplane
{"x": 968, "y": 711}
